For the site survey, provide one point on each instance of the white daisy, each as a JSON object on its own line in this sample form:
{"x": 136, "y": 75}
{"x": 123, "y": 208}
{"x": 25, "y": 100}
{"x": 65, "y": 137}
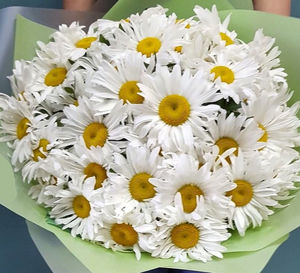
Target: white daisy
{"x": 254, "y": 194}
{"x": 50, "y": 82}
{"x": 229, "y": 134}
{"x": 212, "y": 27}
{"x": 18, "y": 120}
{"x": 182, "y": 237}
{"x": 125, "y": 232}
{"x": 285, "y": 168}
{"x": 85, "y": 121}
{"x": 44, "y": 142}
{"x": 193, "y": 183}
{"x": 119, "y": 81}
{"x": 174, "y": 109}
{"x": 279, "y": 123}
{"x": 38, "y": 190}
{"x": 76, "y": 209}
{"x": 74, "y": 41}
{"x": 233, "y": 78}
{"x": 130, "y": 178}
{"x": 153, "y": 35}
{"x": 83, "y": 162}
{"x": 21, "y": 80}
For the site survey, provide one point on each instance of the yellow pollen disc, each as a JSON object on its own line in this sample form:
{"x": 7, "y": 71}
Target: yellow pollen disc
{"x": 42, "y": 146}
{"x": 178, "y": 49}
{"x": 226, "y": 143}
{"x": 174, "y": 110}
{"x": 264, "y": 137}
{"x": 225, "y": 73}
{"x": 185, "y": 236}
{"x": 189, "y": 195}
{"x": 96, "y": 170}
{"x": 95, "y": 134}
{"x": 55, "y": 76}
{"x": 124, "y": 234}
{"x": 188, "y": 26}
{"x": 22, "y": 128}
{"x": 127, "y": 20}
{"x": 149, "y": 46}
{"x": 81, "y": 206}
{"x": 242, "y": 194}
{"x": 76, "y": 103}
{"x": 140, "y": 187}
{"x": 85, "y": 42}
{"x": 226, "y": 38}
{"x": 129, "y": 93}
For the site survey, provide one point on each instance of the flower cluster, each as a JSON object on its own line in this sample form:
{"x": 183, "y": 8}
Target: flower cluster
{"x": 154, "y": 133}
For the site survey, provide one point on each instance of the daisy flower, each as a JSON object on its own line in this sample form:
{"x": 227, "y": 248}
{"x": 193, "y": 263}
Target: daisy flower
{"x": 212, "y": 27}
{"x": 50, "y": 82}
{"x": 119, "y": 81}
{"x": 125, "y": 232}
{"x": 97, "y": 130}
{"x": 44, "y": 142}
{"x": 173, "y": 112}
{"x": 18, "y": 120}
{"x": 74, "y": 41}
{"x": 279, "y": 123}
{"x": 233, "y": 78}
{"x": 130, "y": 178}
{"x": 284, "y": 166}
{"x": 22, "y": 79}
{"x": 153, "y": 35}
{"x": 229, "y": 134}
{"x": 86, "y": 162}
{"x": 75, "y": 208}
{"x": 193, "y": 183}
{"x": 38, "y": 190}
{"x": 254, "y": 193}
{"x": 184, "y": 238}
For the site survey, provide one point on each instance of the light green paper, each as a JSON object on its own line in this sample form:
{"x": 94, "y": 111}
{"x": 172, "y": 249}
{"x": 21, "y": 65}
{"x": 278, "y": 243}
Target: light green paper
{"x": 28, "y": 34}
{"x": 183, "y": 8}
{"x": 14, "y": 196}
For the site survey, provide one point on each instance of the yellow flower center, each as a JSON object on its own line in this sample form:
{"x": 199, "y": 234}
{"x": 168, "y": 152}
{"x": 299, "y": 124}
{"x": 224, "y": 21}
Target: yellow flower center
{"x": 178, "y": 49}
{"x": 149, "y": 46}
{"x": 189, "y": 195}
{"x": 140, "y": 187}
{"x": 97, "y": 171}
{"x": 225, "y": 73}
{"x": 124, "y": 234}
{"x": 129, "y": 93}
{"x": 22, "y": 128}
{"x": 174, "y": 110}
{"x": 95, "y": 134}
{"x": 42, "y": 146}
{"x": 81, "y": 206}
{"x": 76, "y": 103}
{"x": 242, "y": 194}
{"x": 226, "y": 38}
{"x": 185, "y": 236}
{"x": 264, "y": 137}
{"x": 85, "y": 42}
{"x": 226, "y": 143}
{"x": 56, "y": 76}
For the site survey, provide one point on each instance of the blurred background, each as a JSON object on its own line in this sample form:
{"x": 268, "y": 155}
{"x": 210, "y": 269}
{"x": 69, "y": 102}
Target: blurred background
{"x": 19, "y": 254}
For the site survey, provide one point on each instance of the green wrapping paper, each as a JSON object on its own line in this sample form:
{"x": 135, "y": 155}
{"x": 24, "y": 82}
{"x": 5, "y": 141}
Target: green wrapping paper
{"x": 244, "y": 254}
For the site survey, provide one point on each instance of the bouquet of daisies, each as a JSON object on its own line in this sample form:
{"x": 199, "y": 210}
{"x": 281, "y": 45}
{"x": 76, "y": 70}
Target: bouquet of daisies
{"x": 154, "y": 133}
